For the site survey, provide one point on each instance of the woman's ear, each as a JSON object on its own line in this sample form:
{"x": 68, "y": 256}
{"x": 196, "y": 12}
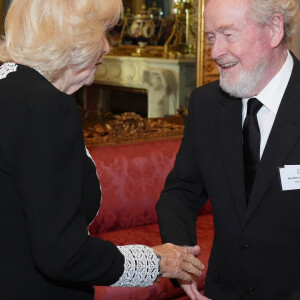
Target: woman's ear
{"x": 277, "y": 30}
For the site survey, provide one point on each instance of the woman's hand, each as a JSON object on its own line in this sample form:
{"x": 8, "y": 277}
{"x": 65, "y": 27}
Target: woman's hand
{"x": 179, "y": 262}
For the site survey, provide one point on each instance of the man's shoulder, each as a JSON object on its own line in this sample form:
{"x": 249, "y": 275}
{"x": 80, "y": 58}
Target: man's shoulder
{"x": 208, "y": 90}
{"x": 207, "y": 94}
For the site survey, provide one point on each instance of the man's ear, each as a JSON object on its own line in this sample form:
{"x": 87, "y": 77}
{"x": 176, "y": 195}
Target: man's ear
{"x": 277, "y": 29}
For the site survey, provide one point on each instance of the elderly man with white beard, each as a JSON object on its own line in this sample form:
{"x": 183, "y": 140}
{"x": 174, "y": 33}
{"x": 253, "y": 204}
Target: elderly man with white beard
{"x": 241, "y": 150}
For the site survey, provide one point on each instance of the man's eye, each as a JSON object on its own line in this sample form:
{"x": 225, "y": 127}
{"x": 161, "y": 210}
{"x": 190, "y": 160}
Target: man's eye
{"x": 211, "y": 39}
{"x": 229, "y": 35}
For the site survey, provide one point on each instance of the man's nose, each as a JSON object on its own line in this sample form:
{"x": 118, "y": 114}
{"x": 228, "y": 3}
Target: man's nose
{"x": 218, "y": 49}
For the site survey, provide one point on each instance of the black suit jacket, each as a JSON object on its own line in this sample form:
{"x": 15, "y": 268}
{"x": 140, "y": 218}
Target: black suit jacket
{"x": 256, "y": 249}
{"x": 49, "y": 193}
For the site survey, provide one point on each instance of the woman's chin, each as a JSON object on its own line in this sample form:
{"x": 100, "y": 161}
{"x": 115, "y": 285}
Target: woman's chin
{"x": 89, "y": 81}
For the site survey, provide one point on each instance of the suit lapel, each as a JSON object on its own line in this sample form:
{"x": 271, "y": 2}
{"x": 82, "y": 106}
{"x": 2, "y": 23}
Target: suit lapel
{"x": 231, "y": 144}
{"x": 284, "y": 134}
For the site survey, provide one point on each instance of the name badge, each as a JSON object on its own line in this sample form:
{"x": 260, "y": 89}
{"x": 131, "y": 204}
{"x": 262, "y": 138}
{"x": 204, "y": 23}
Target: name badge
{"x": 290, "y": 177}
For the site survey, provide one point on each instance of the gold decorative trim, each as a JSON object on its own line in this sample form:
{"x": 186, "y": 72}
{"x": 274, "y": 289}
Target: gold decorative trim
{"x": 200, "y": 44}
{"x": 206, "y": 68}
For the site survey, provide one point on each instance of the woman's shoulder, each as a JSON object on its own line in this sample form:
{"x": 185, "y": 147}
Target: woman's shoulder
{"x": 17, "y": 74}
{"x": 27, "y": 86}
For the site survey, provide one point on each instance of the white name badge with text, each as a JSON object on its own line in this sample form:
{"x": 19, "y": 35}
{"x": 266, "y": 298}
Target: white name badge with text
{"x": 290, "y": 177}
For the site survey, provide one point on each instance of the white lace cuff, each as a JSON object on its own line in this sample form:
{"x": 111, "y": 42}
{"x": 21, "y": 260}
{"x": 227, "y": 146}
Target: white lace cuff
{"x": 140, "y": 267}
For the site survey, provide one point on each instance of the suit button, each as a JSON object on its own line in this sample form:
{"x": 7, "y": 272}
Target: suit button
{"x": 250, "y": 291}
{"x": 245, "y": 247}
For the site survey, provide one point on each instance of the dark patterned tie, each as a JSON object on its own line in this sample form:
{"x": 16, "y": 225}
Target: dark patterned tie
{"x": 251, "y": 144}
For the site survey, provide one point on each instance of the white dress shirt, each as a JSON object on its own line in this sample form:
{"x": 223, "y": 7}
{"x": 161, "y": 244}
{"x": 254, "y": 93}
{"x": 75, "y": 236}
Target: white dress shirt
{"x": 270, "y": 97}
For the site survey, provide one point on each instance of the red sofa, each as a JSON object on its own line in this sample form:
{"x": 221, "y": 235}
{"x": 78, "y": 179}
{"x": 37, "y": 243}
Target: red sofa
{"x": 132, "y": 177}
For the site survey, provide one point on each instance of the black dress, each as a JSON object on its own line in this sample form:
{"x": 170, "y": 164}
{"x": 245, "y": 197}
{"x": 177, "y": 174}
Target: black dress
{"x": 49, "y": 195}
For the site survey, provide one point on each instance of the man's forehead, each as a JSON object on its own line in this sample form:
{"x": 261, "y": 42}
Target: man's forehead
{"x": 220, "y": 28}
{"x": 226, "y": 2}
{"x": 213, "y": 7}
{"x": 221, "y": 17}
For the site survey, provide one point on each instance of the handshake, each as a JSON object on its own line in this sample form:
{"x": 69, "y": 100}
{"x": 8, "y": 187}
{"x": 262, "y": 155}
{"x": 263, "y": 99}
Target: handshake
{"x": 181, "y": 263}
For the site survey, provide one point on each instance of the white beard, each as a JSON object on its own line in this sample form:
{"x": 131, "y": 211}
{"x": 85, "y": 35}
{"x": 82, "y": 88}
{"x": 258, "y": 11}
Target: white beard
{"x": 246, "y": 82}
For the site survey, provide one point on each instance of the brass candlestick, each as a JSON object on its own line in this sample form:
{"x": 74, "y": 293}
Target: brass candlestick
{"x": 183, "y": 37}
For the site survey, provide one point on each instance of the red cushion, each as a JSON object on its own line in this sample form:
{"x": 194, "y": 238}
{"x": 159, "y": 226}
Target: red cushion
{"x": 149, "y": 235}
{"x": 132, "y": 177}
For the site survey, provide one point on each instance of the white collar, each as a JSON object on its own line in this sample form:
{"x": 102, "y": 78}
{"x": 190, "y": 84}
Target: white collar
{"x": 272, "y": 94}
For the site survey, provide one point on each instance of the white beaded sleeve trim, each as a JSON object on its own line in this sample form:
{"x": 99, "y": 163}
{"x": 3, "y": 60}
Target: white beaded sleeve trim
{"x": 7, "y": 68}
{"x": 140, "y": 267}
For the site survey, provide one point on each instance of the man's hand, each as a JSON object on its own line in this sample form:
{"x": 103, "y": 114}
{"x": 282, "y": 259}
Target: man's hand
{"x": 179, "y": 262}
{"x": 191, "y": 290}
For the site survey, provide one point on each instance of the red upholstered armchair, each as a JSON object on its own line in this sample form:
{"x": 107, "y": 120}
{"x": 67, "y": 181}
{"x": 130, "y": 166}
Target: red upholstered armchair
{"x": 132, "y": 177}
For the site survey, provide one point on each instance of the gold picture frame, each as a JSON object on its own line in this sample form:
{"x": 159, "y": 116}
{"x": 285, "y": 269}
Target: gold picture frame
{"x": 206, "y": 68}
{"x": 200, "y": 44}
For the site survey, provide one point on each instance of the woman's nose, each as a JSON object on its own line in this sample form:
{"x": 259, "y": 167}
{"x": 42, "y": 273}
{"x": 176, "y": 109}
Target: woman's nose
{"x": 106, "y": 46}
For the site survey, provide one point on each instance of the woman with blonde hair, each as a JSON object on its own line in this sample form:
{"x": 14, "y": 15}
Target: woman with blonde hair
{"x": 49, "y": 189}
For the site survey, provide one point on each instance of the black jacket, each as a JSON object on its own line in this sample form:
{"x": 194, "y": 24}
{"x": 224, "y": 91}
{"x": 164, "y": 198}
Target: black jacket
{"x": 49, "y": 195}
{"x": 256, "y": 250}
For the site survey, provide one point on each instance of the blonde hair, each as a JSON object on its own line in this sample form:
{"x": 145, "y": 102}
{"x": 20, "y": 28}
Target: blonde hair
{"x": 263, "y": 10}
{"x": 53, "y": 35}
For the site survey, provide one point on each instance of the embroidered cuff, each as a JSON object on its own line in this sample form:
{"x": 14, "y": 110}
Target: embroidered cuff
{"x": 141, "y": 266}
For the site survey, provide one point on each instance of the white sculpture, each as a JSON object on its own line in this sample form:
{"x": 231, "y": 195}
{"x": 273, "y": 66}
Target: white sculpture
{"x": 161, "y": 85}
